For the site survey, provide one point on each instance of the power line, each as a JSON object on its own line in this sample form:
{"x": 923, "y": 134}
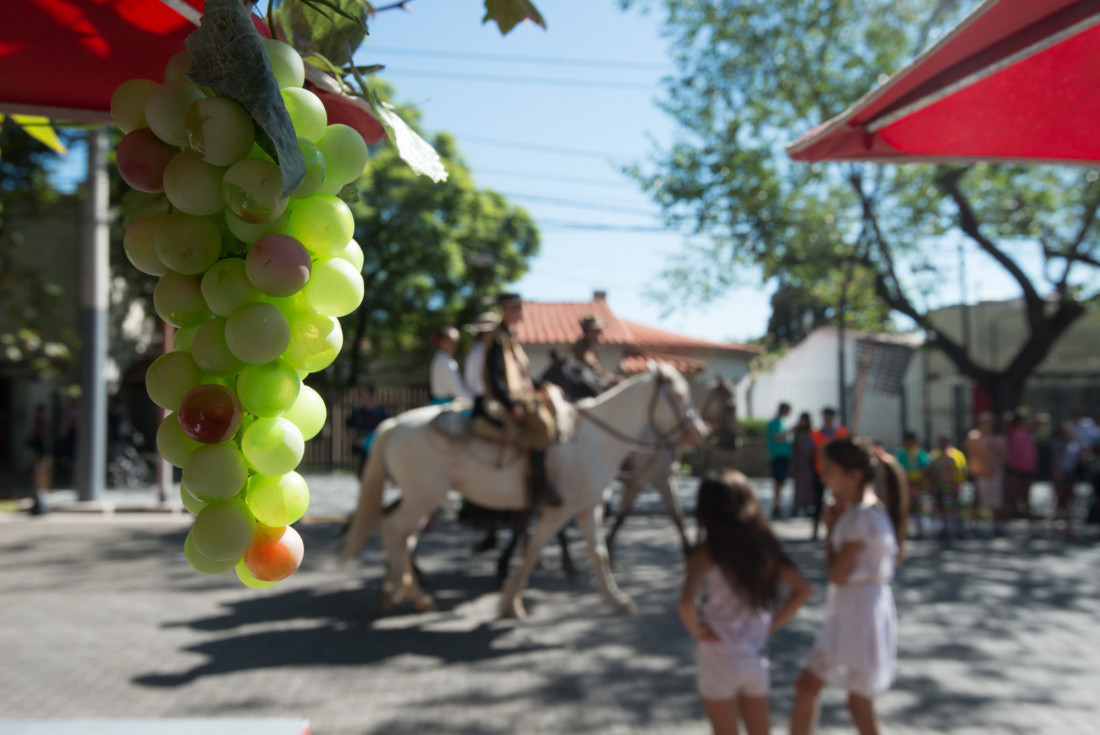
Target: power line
{"x": 577, "y": 204}
{"x": 515, "y": 59}
{"x": 600, "y": 227}
{"x": 580, "y": 180}
{"x": 516, "y": 145}
{"x": 526, "y": 81}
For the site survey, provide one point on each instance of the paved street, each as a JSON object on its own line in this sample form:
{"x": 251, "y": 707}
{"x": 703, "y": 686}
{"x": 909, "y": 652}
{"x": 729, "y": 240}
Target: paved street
{"x": 102, "y": 618}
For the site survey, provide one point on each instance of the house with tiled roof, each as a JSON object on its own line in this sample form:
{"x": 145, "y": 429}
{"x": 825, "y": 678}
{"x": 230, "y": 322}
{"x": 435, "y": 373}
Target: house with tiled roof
{"x": 626, "y": 346}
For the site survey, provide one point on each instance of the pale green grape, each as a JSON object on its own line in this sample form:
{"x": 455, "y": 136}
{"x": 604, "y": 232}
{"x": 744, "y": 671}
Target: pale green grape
{"x": 290, "y": 305}
{"x": 335, "y": 288}
{"x": 278, "y": 265}
{"x": 215, "y": 472}
{"x": 270, "y": 389}
{"x": 354, "y": 255}
{"x": 253, "y": 190}
{"x": 128, "y": 104}
{"x": 345, "y": 154}
{"x": 211, "y": 352}
{"x": 273, "y": 446}
{"x": 166, "y": 109}
{"x": 248, "y": 580}
{"x": 177, "y": 66}
{"x": 307, "y": 112}
{"x": 193, "y": 185}
{"x": 322, "y": 223}
{"x": 170, "y": 377}
{"x": 249, "y": 233}
{"x": 178, "y": 300}
{"x": 278, "y": 501}
{"x": 181, "y": 340}
{"x": 188, "y": 244}
{"x": 201, "y": 563}
{"x": 257, "y": 333}
{"x": 308, "y": 412}
{"x": 139, "y": 242}
{"x": 219, "y": 130}
{"x": 288, "y": 66}
{"x": 190, "y": 503}
{"x": 223, "y": 531}
{"x": 316, "y": 170}
{"x": 173, "y": 445}
{"x": 226, "y": 287}
{"x": 315, "y": 341}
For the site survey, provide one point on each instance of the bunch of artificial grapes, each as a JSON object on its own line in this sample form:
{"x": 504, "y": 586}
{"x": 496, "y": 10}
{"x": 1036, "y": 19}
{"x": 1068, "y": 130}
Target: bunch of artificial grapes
{"x": 254, "y": 283}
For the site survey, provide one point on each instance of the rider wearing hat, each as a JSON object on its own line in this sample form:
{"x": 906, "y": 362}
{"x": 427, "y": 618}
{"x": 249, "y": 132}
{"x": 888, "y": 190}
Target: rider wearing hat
{"x": 510, "y": 397}
{"x": 584, "y": 350}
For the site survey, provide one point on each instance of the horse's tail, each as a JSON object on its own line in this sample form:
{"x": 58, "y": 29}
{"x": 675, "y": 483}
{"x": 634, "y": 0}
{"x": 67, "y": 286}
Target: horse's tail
{"x": 369, "y": 510}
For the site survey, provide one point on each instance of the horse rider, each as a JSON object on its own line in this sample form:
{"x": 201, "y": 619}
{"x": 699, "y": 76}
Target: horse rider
{"x": 473, "y": 370}
{"x": 445, "y": 382}
{"x": 511, "y": 398}
{"x": 584, "y": 351}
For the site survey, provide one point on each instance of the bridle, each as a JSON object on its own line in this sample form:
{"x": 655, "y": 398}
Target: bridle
{"x": 686, "y": 417}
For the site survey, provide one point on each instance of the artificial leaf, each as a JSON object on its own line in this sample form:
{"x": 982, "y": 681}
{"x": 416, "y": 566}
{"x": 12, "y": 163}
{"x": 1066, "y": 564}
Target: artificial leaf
{"x": 310, "y": 28}
{"x": 227, "y": 55}
{"x": 510, "y": 13}
{"x": 413, "y": 149}
{"x": 41, "y": 130}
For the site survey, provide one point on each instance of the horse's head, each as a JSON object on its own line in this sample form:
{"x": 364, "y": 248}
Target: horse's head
{"x": 672, "y": 411}
{"x": 717, "y": 407}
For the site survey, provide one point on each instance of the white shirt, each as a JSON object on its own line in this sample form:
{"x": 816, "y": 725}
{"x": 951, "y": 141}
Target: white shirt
{"x": 474, "y": 369}
{"x": 445, "y": 382}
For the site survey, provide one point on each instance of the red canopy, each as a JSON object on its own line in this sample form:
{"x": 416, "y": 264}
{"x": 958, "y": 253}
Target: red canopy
{"x": 1015, "y": 81}
{"x": 64, "y": 58}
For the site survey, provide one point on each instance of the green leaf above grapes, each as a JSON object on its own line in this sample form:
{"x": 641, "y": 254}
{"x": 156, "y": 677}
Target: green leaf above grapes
{"x": 413, "y": 149}
{"x": 311, "y": 30}
{"x": 227, "y": 55}
{"x": 510, "y": 13}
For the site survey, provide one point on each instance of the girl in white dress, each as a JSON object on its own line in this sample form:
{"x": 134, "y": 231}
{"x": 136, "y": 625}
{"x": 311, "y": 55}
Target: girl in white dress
{"x": 730, "y": 602}
{"x": 865, "y": 534}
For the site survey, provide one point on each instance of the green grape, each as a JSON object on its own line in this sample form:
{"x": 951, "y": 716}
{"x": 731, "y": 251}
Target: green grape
{"x": 290, "y": 70}
{"x": 315, "y": 341}
{"x": 219, "y": 130}
{"x": 316, "y": 170}
{"x": 215, "y": 472}
{"x": 128, "y": 104}
{"x": 335, "y": 288}
{"x": 270, "y": 389}
{"x": 177, "y": 66}
{"x": 211, "y": 352}
{"x": 187, "y": 244}
{"x": 190, "y": 503}
{"x": 226, "y": 287}
{"x": 278, "y": 265}
{"x": 173, "y": 445}
{"x": 353, "y": 254}
{"x": 290, "y": 305}
{"x": 345, "y": 154}
{"x": 257, "y": 333}
{"x": 170, "y": 377}
{"x": 307, "y": 112}
{"x": 278, "y": 501}
{"x": 253, "y": 190}
{"x": 139, "y": 242}
{"x": 322, "y": 223}
{"x": 193, "y": 185}
{"x": 201, "y": 563}
{"x": 248, "y": 580}
{"x": 249, "y": 233}
{"x": 223, "y": 531}
{"x": 166, "y": 109}
{"x": 182, "y": 338}
{"x": 178, "y": 300}
{"x": 274, "y": 554}
{"x": 308, "y": 412}
{"x": 273, "y": 446}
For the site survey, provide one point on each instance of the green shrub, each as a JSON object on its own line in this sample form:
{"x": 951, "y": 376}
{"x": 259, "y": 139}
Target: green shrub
{"x": 753, "y": 428}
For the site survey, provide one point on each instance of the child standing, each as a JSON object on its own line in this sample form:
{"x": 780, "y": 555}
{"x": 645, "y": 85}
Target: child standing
{"x": 730, "y": 602}
{"x": 865, "y": 533}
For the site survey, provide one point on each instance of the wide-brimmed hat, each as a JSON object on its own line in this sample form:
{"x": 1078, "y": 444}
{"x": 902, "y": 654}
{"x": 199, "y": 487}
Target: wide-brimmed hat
{"x": 591, "y": 323}
{"x": 509, "y": 299}
{"x": 486, "y": 322}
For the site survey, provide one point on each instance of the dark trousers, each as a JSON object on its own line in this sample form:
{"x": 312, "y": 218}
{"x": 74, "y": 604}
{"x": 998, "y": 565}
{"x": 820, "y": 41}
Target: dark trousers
{"x": 819, "y": 500}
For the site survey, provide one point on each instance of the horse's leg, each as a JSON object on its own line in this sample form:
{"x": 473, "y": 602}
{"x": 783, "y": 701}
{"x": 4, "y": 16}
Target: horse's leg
{"x": 632, "y": 488}
{"x": 520, "y": 520}
{"x": 667, "y": 487}
{"x": 567, "y": 559}
{"x": 399, "y": 538}
{"x": 550, "y": 522}
{"x": 589, "y": 523}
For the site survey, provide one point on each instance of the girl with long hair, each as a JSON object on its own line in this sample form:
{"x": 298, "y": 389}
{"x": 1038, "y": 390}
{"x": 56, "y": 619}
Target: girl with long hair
{"x": 730, "y": 602}
{"x": 864, "y": 539}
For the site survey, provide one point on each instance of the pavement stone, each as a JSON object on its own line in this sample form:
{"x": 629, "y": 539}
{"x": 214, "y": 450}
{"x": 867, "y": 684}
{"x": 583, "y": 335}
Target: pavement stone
{"x": 100, "y": 617}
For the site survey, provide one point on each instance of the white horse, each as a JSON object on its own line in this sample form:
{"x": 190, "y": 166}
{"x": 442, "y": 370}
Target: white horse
{"x": 425, "y": 465}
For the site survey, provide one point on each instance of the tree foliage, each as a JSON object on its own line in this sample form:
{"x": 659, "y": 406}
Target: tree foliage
{"x": 754, "y": 76}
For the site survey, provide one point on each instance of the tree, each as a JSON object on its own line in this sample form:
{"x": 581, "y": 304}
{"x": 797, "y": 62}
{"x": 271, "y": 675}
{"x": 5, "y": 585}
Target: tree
{"x": 753, "y": 76}
{"x": 433, "y": 250}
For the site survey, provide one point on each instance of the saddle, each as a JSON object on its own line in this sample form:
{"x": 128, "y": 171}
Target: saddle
{"x": 457, "y": 421}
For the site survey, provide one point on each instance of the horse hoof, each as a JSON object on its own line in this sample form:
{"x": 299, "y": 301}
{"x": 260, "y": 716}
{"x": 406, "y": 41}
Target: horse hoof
{"x": 514, "y": 611}
{"x": 424, "y": 604}
{"x": 624, "y": 606}
{"x": 387, "y": 603}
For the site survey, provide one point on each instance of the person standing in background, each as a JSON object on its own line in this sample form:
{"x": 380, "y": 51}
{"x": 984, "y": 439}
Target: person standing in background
{"x": 802, "y": 464}
{"x": 361, "y": 423}
{"x": 829, "y": 430}
{"x": 779, "y": 452}
{"x": 445, "y": 382}
{"x": 1021, "y": 466}
{"x": 985, "y": 456}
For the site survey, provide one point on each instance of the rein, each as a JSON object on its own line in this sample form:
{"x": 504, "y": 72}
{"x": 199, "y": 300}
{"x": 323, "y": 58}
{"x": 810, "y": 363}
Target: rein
{"x": 665, "y": 440}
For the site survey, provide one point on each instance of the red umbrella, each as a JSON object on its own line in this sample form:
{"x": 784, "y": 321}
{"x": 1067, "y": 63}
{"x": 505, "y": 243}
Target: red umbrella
{"x": 64, "y": 58}
{"x": 1015, "y": 81}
